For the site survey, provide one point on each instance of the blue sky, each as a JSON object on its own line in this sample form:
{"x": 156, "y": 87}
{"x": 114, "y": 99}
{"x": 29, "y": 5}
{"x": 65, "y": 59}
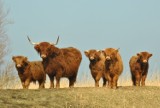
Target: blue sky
{"x": 131, "y": 25}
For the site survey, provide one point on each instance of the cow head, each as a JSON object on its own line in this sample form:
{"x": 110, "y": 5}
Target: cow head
{"x": 93, "y": 55}
{"x": 46, "y": 49}
{"x": 143, "y": 57}
{"x": 20, "y": 61}
{"x": 110, "y": 54}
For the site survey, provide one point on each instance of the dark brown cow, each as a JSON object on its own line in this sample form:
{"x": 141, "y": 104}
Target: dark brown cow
{"x": 139, "y": 68}
{"x": 113, "y": 66}
{"x": 29, "y": 71}
{"x": 96, "y": 65}
{"x": 59, "y": 62}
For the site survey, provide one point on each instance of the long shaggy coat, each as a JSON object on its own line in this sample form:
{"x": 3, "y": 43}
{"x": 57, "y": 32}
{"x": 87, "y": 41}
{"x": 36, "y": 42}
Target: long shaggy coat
{"x": 139, "y": 68}
{"x": 113, "y": 66}
{"x": 59, "y": 62}
{"x": 96, "y": 65}
{"x": 29, "y": 71}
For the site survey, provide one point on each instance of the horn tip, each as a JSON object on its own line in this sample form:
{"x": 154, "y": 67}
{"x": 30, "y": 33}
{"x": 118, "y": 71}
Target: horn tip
{"x": 28, "y": 38}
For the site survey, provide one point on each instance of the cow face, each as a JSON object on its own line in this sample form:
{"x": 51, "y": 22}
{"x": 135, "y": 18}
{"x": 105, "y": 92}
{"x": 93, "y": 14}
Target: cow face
{"x": 20, "y": 61}
{"x": 43, "y": 49}
{"x": 93, "y": 55}
{"x": 144, "y": 57}
{"x": 110, "y": 54}
{"x": 46, "y": 49}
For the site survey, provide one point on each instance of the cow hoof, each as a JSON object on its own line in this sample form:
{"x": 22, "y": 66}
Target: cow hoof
{"x": 114, "y": 88}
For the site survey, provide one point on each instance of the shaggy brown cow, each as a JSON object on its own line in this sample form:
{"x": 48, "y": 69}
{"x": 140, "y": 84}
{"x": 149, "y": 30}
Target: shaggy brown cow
{"x": 59, "y": 62}
{"x": 29, "y": 71}
{"x": 113, "y": 66}
{"x": 96, "y": 65}
{"x": 139, "y": 68}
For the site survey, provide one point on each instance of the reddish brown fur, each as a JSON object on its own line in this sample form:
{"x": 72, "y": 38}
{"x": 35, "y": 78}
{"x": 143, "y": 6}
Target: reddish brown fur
{"x": 96, "y": 65}
{"x": 113, "y": 66}
{"x": 29, "y": 71}
{"x": 59, "y": 63}
{"x": 139, "y": 68}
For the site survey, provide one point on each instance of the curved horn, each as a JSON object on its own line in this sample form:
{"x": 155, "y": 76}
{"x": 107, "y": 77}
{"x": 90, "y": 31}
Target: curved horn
{"x": 56, "y": 41}
{"x": 31, "y": 41}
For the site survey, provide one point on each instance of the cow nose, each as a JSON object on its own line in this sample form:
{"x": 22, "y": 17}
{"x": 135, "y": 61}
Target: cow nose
{"x": 108, "y": 58}
{"x": 92, "y": 58}
{"x": 43, "y": 56}
{"x": 144, "y": 61}
{"x": 18, "y": 65}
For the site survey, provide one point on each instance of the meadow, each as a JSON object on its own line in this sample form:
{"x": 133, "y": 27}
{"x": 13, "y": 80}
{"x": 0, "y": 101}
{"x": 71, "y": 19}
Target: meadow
{"x": 84, "y": 95}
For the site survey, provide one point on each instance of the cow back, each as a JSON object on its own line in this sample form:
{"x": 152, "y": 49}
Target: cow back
{"x": 37, "y": 70}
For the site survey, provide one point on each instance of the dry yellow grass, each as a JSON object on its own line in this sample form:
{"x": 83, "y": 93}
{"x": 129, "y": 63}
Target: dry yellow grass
{"x": 89, "y": 82}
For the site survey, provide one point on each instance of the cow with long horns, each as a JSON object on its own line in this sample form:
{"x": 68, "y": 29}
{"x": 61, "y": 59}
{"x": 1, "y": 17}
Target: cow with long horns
{"x": 59, "y": 62}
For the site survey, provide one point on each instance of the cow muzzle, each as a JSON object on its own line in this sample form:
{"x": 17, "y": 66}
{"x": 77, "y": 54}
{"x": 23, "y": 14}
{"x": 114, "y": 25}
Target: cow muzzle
{"x": 91, "y": 58}
{"x": 108, "y": 58}
{"x": 144, "y": 61}
{"x": 43, "y": 56}
{"x": 18, "y": 65}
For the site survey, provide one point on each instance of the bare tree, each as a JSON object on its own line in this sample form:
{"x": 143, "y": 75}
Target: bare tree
{"x": 6, "y": 68}
{"x": 3, "y": 35}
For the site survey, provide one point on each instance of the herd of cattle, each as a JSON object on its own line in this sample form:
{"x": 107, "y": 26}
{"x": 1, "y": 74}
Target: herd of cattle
{"x": 64, "y": 62}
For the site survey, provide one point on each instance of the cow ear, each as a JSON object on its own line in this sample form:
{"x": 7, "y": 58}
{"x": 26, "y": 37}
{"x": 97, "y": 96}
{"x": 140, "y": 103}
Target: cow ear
{"x": 13, "y": 58}
{"x": 150, "y": 55}
{"x": 86, "y": 53}
{"x": 98, "y": 50}
{"x": 138, "y": 54}
{"x": 25, "y": 58}
{"x": 117, "y": 50}
{"x": 36, "y": 47}
{"x": 103, "y": 52}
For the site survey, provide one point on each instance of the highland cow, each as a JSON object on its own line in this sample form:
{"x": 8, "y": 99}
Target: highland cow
{"x": 59, "y": 62}
{"x": 113, "y": 66}
{"x": 96, "y": 65}
{"x": 29, "y": 71}
{"x": 139, "y": 68}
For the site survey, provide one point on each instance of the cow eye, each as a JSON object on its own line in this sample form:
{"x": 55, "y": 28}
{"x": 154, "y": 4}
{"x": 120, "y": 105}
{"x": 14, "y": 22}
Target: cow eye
{"x": 38, "y": 50}
{"x": 48, "y": 49}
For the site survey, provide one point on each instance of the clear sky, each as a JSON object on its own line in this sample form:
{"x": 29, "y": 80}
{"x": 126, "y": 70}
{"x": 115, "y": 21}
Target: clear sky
{"x": 131, "y": 25}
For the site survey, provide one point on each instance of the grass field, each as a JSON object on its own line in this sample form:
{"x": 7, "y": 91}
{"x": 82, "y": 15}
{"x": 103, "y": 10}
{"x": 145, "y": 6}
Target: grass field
{"x": 82, "y": 97}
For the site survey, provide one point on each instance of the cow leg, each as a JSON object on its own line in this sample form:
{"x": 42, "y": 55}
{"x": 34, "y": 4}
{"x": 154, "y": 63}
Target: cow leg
{"x": 104, "y": 82}
{"x": 109, "y": 82}
{"x": 23, "y": 85}
{"x": 27, "y": 83}
{"x": 57, "y": 82}
{"x": 72, "y": 80}
{"x": 41, "y": 84}
{"x": 143, "y": 80}
{"x": 114, "y": 83}
{"x": 98, "y": 77}
{"x": 97, "y": 80}
{"x": 96, "y": 83}
{"x": 108, "y": 78}
{"x": 138, "y": 78}
{"x": 51, "y": 81}
{"x": 133, "y": 80}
